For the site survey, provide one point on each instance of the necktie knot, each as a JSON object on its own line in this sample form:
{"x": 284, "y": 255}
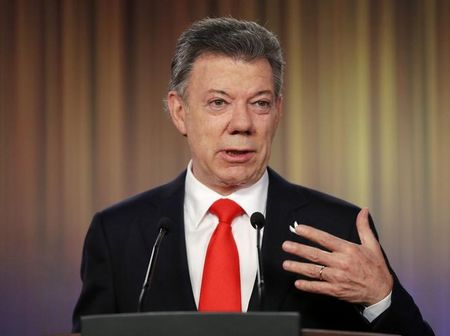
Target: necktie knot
{"x": 226, "y": 210}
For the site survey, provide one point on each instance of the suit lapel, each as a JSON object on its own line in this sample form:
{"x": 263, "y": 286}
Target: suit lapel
{"x": 171, "y": 288}
{"x": 283, "y": 204}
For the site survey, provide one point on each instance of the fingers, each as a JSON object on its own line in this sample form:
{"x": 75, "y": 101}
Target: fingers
{"x": 313, "y": 254}
{"x": 364, "y": 231}
{"x": 353, "y": 272}
{"x": 330, "y": 242}
{"x": 323, "y": 280}
{"x": 310, "y": 270}
{"x": 318, "y": 287}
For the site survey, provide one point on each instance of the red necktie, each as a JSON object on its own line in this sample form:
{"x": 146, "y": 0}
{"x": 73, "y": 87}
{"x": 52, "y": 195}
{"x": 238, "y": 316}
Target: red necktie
{"x": 221, "y": 282}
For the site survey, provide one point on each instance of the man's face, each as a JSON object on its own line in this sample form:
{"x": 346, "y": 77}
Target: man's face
{"x": 229, "y": 117}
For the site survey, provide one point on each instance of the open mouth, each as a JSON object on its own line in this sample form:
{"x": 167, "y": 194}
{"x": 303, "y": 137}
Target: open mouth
{"x": 238, "y": 156}
{"x": 237, "y": 152}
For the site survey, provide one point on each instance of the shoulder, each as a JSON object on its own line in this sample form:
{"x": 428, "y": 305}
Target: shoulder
{"x": 143, "y": 207}
{"x": 307, "y": 196}
{"x": 148, "y": 199}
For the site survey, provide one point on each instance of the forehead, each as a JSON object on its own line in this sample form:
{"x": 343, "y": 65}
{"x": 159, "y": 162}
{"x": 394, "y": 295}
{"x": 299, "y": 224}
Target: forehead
{"x": 220, "y": 72}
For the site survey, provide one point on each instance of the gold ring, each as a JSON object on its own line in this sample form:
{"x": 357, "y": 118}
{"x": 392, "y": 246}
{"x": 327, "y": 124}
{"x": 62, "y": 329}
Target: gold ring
{"x": 320, "y": 272}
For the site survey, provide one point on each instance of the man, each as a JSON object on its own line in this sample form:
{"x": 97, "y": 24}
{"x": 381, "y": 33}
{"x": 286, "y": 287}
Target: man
{"x": 225, "y": 98}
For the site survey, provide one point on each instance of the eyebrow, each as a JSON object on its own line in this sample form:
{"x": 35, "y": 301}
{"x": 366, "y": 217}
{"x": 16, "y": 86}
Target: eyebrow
{"x": 218, "y": 91}
{"x": 259, "y": 93}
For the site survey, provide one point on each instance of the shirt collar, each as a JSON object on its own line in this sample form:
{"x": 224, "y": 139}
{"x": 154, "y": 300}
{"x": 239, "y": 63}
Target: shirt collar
{"x": 198, "y": 197}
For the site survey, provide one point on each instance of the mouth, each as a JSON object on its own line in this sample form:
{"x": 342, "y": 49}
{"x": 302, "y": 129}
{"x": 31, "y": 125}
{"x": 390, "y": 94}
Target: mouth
{"x": 233, "y": 152}
{"x": 237, "y": 155}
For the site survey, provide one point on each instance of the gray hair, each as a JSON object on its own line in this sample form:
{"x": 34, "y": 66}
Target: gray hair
{"x": 225, "y": 36}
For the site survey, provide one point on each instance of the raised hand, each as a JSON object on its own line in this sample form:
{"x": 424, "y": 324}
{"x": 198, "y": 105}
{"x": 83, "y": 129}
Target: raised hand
{"x": 352, "y": 272}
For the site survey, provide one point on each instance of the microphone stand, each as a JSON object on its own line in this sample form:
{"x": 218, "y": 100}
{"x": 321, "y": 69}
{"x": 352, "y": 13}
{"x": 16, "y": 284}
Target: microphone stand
{"x": 163, "y": 230}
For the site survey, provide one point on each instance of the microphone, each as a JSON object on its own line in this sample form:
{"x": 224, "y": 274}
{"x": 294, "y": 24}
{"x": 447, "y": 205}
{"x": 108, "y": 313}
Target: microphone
{"x": 164, "y": 225}
{"x": 258, "y": 221}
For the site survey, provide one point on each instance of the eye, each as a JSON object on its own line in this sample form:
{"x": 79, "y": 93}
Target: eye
{"x": 218, "y": 103}
{"x": 263, "y": 105}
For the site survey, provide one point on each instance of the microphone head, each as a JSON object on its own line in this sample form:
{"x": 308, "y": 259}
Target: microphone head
{"x": 257, "y": 220}
{"x": 164, "y": 224}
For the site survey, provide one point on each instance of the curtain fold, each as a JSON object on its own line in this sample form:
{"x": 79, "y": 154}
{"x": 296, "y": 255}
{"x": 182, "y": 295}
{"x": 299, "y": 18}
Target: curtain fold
{"x": 82, "y": 125}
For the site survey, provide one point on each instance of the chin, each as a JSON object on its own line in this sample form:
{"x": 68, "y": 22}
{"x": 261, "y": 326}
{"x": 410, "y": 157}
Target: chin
{"x": 241, "y": 179}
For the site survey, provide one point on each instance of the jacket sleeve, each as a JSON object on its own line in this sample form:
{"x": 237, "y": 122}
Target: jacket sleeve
{"x": 403, "y": 316}
{"x": 97, "y": 293}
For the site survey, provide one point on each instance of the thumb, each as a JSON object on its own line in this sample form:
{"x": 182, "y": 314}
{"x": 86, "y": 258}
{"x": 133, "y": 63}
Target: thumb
{"x": 365, "y": 233}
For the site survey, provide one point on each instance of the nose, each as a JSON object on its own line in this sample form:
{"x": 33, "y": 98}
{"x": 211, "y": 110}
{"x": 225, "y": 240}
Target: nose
{"x": 241, "y": 121}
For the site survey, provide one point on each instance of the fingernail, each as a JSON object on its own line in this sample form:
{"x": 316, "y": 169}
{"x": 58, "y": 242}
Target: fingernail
{"x": 286, "y": 264}
{"x": 366, "y": 213}
{"x": 363, "y": 213}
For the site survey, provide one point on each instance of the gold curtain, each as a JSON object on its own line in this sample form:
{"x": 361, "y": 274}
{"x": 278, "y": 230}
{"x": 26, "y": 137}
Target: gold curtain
{"x": 82, "y": 84}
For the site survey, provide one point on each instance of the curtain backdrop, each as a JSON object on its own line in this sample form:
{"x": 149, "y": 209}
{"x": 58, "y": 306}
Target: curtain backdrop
{"x": 82, "y": 83}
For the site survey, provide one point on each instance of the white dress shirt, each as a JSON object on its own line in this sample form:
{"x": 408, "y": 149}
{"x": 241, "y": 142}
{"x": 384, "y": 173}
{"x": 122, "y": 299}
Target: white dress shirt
{"x": 200, "y": 225}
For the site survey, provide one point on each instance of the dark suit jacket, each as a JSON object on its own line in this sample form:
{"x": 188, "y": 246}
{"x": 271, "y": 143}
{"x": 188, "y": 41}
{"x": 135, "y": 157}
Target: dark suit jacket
{"x": 118, "y": 245}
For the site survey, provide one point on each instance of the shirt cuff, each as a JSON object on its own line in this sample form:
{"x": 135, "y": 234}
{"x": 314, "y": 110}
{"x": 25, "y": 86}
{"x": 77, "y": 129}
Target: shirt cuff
{"x": 375, "y": 310}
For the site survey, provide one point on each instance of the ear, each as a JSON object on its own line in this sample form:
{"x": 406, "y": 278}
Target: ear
{"x": 177, "y": 111}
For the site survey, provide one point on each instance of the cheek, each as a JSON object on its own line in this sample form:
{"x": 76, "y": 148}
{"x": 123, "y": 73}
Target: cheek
{"x": 268, "y": 132}
{"x": 201, "y": 143}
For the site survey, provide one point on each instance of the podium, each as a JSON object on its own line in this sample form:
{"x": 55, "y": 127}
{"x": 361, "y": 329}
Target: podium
{"x": 192, "y": 324}
{"x": 203, "y": 324}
